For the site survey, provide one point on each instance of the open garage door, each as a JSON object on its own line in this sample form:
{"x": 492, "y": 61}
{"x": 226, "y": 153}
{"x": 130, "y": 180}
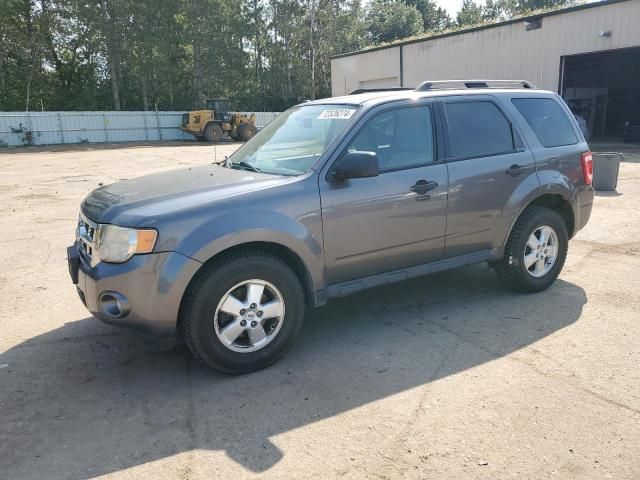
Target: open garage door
{"x": 604, "y": 89}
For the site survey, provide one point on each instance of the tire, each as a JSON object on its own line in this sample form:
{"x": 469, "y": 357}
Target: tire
{"x": 513, "y": 271}
{"x": 203, "y": 323}
{"x": 246, "y": 132}
{"x": 213, "y": 133}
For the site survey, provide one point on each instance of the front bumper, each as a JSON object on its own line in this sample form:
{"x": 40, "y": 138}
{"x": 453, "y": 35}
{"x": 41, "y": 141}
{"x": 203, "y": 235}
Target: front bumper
{"x": 152, "y": 284}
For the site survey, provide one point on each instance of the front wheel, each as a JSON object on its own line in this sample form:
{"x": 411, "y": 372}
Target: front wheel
{"x": 213, "y": 133}
{"x": 242, "y": 313}
{"x": 535, "y": 252}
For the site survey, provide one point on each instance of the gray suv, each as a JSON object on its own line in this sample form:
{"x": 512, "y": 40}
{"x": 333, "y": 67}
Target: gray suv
{"x": 332, "y": 197}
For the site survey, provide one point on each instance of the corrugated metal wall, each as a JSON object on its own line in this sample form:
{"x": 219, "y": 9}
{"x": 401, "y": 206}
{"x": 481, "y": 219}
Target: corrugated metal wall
{"x": 48, "y": 128}
{"x": 380, "y": 68}
{"x": 508, "y": 51}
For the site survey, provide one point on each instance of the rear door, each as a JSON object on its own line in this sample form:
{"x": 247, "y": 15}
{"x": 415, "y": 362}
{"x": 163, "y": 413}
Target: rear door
{"x": 394, "y": 220}
{"x": 488, "y": 164}
{"x": 555, "y": 137}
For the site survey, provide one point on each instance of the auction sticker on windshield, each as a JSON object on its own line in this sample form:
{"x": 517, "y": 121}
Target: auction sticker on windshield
{"x": 340, "y": 114}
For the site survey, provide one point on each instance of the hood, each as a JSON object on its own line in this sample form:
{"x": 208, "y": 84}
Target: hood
{"x": 153, "y": 195}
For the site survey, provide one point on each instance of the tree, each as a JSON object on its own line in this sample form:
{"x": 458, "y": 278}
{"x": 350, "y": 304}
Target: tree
{"x": 390, "y": 20}
{"x": 173, "y": 54}
{"x": 511, "y": 8}
{"x": 525, "y": 6}
{"x": 469, "y": 14}
{"x": 339, "y": 28}
{"x": 434, "y": 18}
{"x": 112, "y": 33}
{"x": 493, "y": 10}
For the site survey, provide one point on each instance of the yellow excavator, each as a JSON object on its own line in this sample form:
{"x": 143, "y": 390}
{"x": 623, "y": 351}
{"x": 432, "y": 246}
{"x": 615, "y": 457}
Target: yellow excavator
{"x": 217, "y": 122}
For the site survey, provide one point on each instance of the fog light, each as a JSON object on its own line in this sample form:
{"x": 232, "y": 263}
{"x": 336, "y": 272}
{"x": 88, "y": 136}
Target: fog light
{"x": 114, "y": 304}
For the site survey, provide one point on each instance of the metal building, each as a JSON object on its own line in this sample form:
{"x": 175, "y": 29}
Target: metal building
{"x": 589, "y": 53}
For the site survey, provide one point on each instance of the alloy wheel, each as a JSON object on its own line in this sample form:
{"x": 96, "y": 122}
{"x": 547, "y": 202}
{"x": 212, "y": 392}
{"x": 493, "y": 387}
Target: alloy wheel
{"x": 541, "y": 251}
{"x": 249, "y": 316}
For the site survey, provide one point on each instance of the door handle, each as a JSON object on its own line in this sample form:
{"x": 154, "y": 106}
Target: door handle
{"x": 421, "y": 187}
{"x": 515, "y": 169}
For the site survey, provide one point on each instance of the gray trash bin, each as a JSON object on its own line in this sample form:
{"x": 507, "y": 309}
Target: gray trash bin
{"x": 605, "y": 170}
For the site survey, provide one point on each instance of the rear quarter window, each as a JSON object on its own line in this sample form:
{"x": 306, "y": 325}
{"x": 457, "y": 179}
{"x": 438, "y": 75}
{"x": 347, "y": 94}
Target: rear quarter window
{"x": 547, "y": 120}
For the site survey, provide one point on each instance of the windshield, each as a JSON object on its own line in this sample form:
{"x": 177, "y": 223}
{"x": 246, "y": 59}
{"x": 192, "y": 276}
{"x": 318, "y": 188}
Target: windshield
{"x": 292, "y": 142}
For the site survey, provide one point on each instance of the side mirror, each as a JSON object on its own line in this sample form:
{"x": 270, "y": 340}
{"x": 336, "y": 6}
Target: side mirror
{"x": 356, "y": 164}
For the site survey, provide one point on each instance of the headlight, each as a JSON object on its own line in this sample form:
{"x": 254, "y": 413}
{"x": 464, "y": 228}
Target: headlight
{"x": 118, "y": 244}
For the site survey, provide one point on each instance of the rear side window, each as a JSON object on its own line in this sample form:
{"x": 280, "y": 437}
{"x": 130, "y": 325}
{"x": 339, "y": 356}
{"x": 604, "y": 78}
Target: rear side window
{"x": 547, "y": 119}
{"x": 478, "y": 129}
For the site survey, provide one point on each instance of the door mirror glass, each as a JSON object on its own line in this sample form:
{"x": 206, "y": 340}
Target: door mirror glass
{"x": 356, "y": 164}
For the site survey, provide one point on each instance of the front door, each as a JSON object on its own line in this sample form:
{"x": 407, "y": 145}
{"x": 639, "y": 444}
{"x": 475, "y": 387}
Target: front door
{"x": 394, "y": 220}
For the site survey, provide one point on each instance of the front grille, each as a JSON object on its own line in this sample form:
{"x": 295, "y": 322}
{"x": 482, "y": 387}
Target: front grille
{"x": 86, "y": 237}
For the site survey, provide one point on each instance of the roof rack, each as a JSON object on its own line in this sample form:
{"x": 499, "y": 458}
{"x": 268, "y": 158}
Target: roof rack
{"x": 461, "y": 84}
{"x": 369, "y": 90}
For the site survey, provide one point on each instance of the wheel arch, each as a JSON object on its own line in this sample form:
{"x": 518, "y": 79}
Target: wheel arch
{"x": 278, "y": 250}
{"x": 554, "y": 201}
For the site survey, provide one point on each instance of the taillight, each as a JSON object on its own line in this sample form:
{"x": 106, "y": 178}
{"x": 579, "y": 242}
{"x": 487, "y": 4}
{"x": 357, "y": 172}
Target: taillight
{"x": 587, "y": 167}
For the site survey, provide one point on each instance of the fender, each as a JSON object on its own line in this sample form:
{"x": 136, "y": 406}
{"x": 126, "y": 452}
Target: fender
{"x": 230, "y": 230}
{"x": 557, "y": 183}
{"x": 550, "y": 183}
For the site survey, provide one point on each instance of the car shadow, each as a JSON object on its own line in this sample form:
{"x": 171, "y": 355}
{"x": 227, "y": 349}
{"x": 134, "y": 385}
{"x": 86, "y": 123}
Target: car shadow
{"x": 86, "y": 400}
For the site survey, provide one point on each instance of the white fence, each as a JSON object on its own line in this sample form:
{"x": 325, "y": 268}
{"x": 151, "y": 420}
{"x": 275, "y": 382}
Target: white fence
{"x": 46, "y": 128}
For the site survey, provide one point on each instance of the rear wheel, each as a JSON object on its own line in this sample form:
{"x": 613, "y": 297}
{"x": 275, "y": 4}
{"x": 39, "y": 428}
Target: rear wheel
{"x": 246, "y": 131}
{"x": 535, "y": 252}
{"x": 242, "y": 313}
{"x": 213, "y": 133}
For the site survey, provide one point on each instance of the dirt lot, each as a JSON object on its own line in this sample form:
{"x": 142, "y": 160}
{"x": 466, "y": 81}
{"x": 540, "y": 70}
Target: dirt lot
{"x": 449, "y": 376}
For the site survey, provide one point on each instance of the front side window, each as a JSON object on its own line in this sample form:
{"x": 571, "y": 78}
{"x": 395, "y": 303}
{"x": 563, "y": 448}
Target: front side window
{"x": 548, "y": 121}
{"x": 401, "y": 138}
{"x": 294, "y": 141}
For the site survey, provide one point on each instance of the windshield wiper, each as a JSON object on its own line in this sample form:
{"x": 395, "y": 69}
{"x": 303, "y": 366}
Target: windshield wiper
{"x": 245, "y": 166}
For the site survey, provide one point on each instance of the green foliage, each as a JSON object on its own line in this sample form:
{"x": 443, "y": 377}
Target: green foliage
{"x": 434, "y": 18}
{"x": 390, "y": 20}
{"x": 469, "y": 14}
{"x": 173, "y": 54}
{"x": 494, "y": 10}
{"x": 525, "y": 6}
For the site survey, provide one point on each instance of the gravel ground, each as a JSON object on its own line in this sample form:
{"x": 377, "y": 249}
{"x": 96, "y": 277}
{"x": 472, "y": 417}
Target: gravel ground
{"x": 448, "y": 376}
